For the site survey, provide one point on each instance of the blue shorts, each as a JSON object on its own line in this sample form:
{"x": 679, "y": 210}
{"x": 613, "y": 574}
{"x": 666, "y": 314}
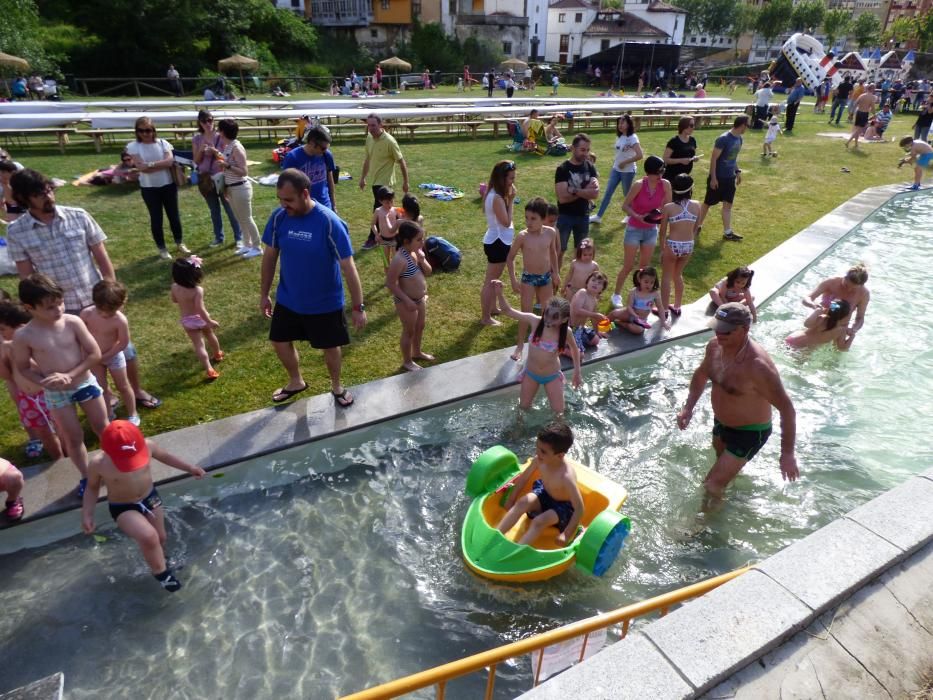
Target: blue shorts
{"x": 585, "y": 337}
{"x": 641, "y": 236}
{"x": 85, "y": 391}
{"x": 536, "y": 280}
{"x": 925, "y": 160}
{"x": 563, "y": 509}
{"x": 579, "y": 226}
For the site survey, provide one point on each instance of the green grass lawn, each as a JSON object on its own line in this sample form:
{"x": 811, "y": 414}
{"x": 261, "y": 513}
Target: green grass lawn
{"x": 778, "y": 197}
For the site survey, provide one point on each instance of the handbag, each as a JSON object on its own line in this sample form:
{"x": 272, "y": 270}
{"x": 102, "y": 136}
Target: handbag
{"x": 205, "y": 184}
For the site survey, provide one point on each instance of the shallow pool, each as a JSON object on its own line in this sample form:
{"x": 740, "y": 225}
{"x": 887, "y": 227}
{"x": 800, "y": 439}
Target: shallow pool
{"x": 335, "y": 566}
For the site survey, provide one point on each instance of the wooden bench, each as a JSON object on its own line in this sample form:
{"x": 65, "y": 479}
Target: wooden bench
{"x": 435, "y": 127}
{"x": 102, "y": 136}
{"x": 20, "y": 137}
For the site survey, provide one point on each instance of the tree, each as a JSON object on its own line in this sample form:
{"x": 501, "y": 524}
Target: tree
{"x": 774, "y": 19}
{"x": 481, "y": 53}
{"x": 924, "y": 25}
{"x": 901, "y": 29}
{"x": 712, "y": 17}
{"x": 434, "y": 49}
{"x": 743, "y": 21}
{"x": 866, "y": 29}
{"x": 836, "y": 23}
{"x": 808, "y": 15}
{"x": 21, "y": 31}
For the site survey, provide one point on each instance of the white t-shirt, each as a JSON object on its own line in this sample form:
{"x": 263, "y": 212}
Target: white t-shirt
{"x": 496, "y": 231}
{"x": 763, "y": 96}
{"x": 151, "y": 152}
{"x": 624, "y": 147}
{"x": 773, "y": 130}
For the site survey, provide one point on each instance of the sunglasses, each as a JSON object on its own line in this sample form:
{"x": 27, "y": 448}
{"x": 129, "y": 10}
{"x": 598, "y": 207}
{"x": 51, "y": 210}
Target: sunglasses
{"x": 509, "y": 165}
{"x": 719, "y": 332}
{"x": 145, "y": 131}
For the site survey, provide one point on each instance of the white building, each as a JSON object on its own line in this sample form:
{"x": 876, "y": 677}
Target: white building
{"x": 578, "y": 29}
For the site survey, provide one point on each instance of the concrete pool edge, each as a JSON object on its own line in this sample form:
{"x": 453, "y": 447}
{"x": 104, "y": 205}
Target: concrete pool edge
{"x": 50, "y": 488}
{"x": 703, "y": 643}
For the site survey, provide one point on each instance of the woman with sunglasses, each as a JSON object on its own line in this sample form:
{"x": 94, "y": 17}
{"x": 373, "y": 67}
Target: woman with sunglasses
{"x": 497, "y": 205}
{"x": 681, "y": 151}
{"x": 202, "y": 143}
{"x": 154, "y": 159}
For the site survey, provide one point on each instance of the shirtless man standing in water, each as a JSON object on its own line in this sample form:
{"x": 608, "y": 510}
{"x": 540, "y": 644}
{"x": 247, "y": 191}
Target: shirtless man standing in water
{"x": 746, "y": 385}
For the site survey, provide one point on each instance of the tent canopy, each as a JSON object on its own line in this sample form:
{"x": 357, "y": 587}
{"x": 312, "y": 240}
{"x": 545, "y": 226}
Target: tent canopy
{"x": 14, "y": 62}
{"x": 395, "y": 63}
{"x": 513, "y": 64}
{"x": 237, "y": 62}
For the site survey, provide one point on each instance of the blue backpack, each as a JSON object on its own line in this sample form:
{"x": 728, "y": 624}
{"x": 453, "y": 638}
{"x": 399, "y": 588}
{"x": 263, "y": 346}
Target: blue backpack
{"x": 442, "y": 254}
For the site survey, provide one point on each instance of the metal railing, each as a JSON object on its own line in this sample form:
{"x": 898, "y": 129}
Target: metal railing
{"x": 489, "y": 660}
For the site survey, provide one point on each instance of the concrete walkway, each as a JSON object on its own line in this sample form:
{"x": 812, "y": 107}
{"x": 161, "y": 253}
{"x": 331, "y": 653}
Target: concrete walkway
{"x": 846, "y": 612}
{"x": 877, "y": 644}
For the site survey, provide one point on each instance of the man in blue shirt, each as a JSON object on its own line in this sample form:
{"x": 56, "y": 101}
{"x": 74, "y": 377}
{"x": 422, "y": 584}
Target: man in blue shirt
{"x": 317, "y": 162}
{"x": 724, "y": 177}
{"x": 312, "y": 246}
{"x": 793, "y": 104}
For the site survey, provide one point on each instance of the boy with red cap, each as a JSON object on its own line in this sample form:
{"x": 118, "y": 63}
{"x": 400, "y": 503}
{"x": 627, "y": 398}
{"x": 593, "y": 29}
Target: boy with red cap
{"x": 123, "y": 467}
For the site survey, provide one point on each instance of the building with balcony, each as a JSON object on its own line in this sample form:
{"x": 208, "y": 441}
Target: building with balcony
{"x": 501, "y": 22}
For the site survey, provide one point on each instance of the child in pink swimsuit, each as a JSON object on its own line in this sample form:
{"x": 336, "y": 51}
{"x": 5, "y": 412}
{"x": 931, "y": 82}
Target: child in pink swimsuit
{"x": 197, "y": 322}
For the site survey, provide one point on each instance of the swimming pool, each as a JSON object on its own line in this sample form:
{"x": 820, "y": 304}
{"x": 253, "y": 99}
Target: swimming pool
{"x": 334, "y": 566}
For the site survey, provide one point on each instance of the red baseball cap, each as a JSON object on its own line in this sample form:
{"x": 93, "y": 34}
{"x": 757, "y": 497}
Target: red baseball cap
{"x": 126, "y": 446}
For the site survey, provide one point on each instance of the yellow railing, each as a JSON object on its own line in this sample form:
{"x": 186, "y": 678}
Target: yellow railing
{"x": 440, "y": 675}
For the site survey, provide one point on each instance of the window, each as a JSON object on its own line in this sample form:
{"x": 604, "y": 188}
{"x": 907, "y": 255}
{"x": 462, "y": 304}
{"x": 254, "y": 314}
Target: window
{"x": 561, "y": 17}
{"x": 507, "y": 48}
{"x": 385, "y": 4}
{"x": 703, "y": 40}
{"x": 374, "y": 33}
{"x": 536, "y": 27}
{"x": 564, "y": 43}
{"x": 578, "y": 17}
{"x": 604, "y": 44}
{"x": 296, "y": 3}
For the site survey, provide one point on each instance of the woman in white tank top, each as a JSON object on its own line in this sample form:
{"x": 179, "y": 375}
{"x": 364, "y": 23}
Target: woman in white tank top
{"x": 500, "y": 196}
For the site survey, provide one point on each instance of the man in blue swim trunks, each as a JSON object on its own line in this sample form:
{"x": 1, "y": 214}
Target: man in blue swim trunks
{"x": 746, "y": 385}
{"x": 919, "y": 154}
{"x": 554, "y": 499}
{"x": 123, "y": 466}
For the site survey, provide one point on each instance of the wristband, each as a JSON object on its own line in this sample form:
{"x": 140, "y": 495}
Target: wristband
{"x": 359, "y": 307}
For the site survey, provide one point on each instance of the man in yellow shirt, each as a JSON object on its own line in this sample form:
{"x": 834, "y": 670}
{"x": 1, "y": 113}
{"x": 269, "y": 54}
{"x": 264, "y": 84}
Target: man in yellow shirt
{"x": 382, "y": 153}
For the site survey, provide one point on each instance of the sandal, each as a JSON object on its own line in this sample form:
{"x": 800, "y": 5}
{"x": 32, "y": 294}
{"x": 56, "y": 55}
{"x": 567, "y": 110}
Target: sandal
{"x": 284, "y": 394}
{"x": 34, "y": 449}
{"x": 343, "y": 399}
{"x": 14, "y": 509}
{"x": 151, "y": 402}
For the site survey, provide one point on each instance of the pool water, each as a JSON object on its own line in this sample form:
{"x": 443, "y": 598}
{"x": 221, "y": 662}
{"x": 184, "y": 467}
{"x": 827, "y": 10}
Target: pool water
{"x": 335, "y": 566}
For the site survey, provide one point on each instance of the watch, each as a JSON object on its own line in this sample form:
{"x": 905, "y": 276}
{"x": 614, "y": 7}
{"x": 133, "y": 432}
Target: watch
{"x": 149, "y": 164}
{"x": 360, "y": 307}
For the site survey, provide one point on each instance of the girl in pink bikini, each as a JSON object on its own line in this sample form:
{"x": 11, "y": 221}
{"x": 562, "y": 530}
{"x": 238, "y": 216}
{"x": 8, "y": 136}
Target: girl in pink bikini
{"x": 551, "y": 337}
{"x": 643, "y": 204}
{"x": 197, "y": 322}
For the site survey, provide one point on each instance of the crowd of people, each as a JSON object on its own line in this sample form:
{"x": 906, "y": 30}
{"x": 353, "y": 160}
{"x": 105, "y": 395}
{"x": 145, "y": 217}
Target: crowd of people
{"x": 67, "y": 335}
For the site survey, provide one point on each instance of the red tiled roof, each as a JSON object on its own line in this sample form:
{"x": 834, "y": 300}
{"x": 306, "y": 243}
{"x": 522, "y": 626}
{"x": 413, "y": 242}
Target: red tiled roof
{"x": 661, "y": 6}
{"x": 571, "y": 5}
{"x": 622, "y": 24}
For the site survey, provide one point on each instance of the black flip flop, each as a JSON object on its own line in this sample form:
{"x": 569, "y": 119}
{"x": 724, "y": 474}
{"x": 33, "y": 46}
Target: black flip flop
{"x": 344, "y": 399}
{"x": 284, "y": 394}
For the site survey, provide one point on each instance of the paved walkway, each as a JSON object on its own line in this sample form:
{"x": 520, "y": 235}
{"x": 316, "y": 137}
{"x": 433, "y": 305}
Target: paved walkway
{"x": 877, "y": 644}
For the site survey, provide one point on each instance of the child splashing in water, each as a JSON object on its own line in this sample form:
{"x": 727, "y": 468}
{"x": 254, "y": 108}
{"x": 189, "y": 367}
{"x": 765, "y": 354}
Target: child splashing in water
{"x": 736, "y": 286}
{"x": 583, "y": 307}
{"x": 405, "y": 278}
{"x": 826, "y": 327}
{"x": 197, "y": 322}
{"x": 550, "y": 337}
{"x": 582, "y": 266}
{"x": 644, "y": 296}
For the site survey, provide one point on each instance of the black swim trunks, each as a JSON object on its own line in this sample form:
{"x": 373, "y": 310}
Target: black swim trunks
{"x": 861, "y": 119}
{"x": 145, "y": 506}
{"x": 744, "y": 441}
{"x": 564, "y": 509}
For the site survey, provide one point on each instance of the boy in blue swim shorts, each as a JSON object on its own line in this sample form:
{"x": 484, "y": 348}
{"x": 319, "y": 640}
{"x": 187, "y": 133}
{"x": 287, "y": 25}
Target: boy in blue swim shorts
{"x": 554, "y": 499}
{"x": 541, "y": 276}
{"x": 54, "y": 353}
{"x": 919, "y": 154}
{"x": 124, "y": 468}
